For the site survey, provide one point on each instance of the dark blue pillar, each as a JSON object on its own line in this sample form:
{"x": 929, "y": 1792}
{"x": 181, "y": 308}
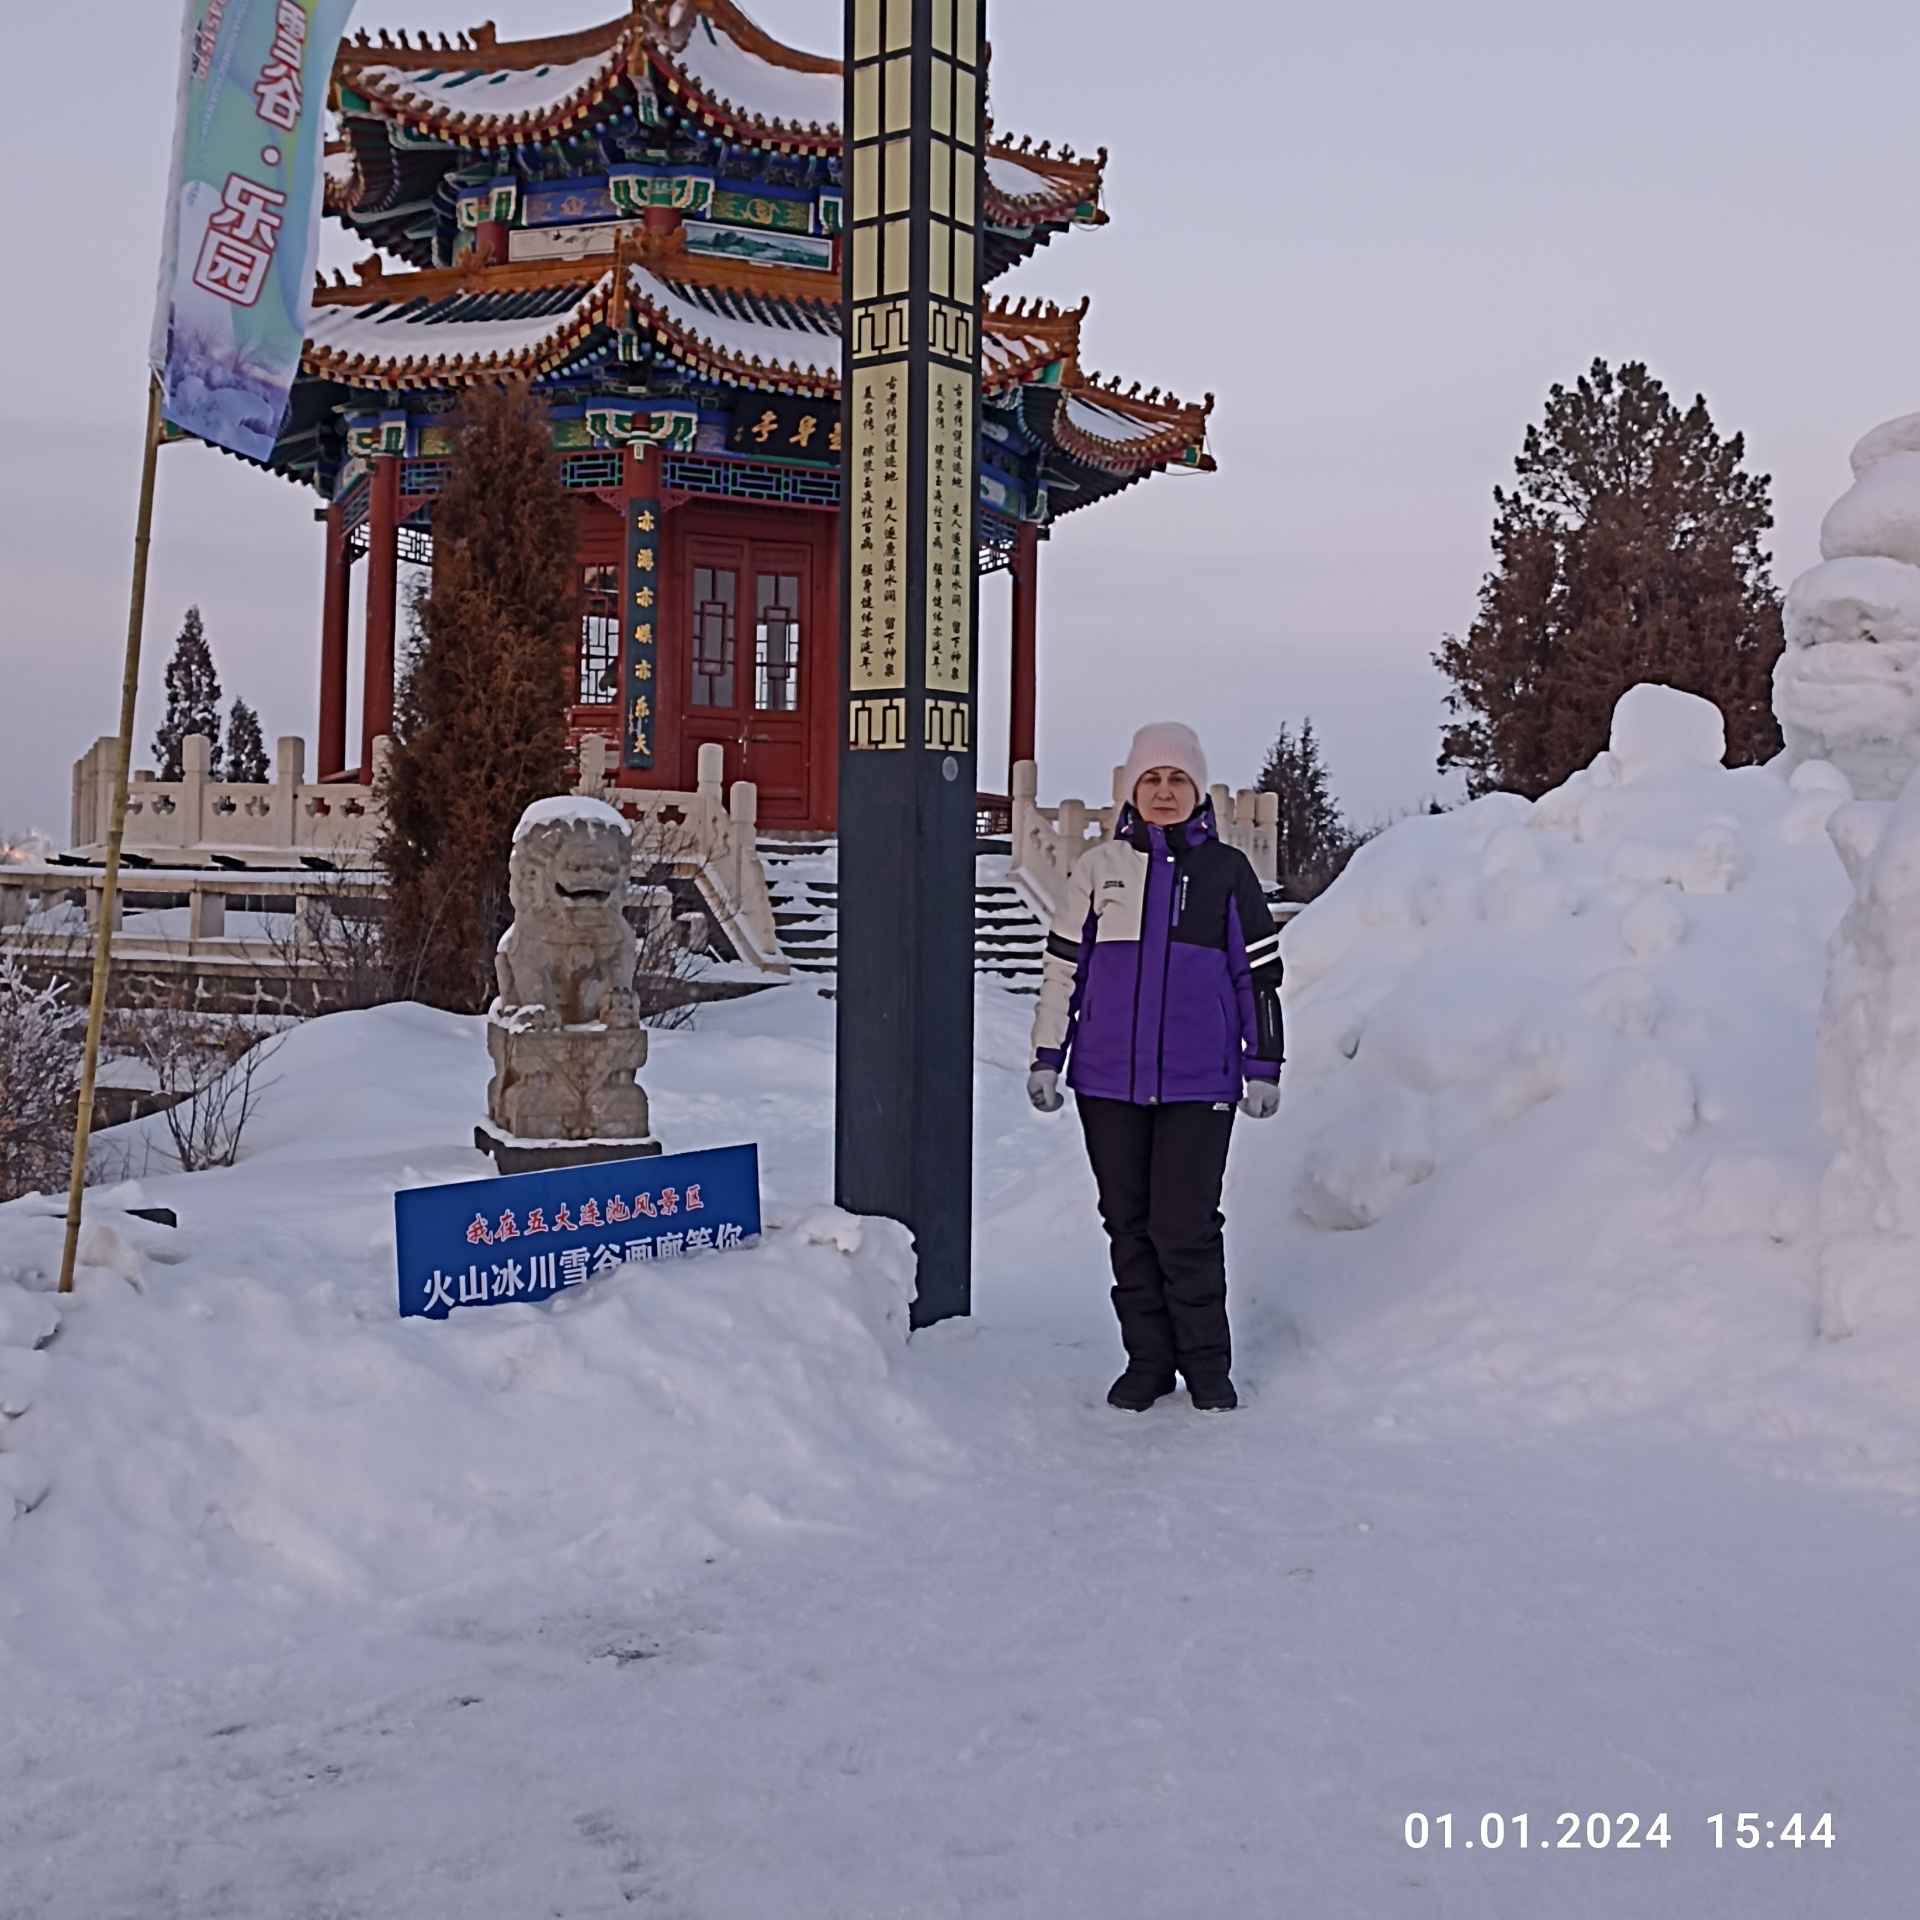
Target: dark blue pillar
{"x": 911, "y": 158}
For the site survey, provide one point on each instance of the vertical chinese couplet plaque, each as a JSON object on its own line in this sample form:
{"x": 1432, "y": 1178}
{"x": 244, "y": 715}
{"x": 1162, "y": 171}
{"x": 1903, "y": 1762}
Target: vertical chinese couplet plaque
{"x": 912, "y": 119}
{"x": 640, "y": 603}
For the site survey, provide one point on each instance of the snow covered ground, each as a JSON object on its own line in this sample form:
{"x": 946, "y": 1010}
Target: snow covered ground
{"x": 706, "y": 1592}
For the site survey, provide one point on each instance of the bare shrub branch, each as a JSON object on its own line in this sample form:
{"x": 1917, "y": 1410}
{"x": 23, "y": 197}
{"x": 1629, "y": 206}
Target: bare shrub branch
{"x": 206, "y": 1072}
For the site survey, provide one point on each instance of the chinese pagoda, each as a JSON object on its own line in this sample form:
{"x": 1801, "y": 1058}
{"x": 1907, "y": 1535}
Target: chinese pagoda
{"x": 643, "y": 219}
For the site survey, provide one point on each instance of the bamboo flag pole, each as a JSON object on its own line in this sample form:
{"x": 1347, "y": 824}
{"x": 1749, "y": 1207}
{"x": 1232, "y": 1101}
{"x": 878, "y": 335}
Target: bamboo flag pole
{"x": 116, "y": 830}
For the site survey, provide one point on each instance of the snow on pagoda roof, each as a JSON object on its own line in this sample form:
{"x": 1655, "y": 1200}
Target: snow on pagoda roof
{"x": 447, "y": 325}
{"x": 505, "y": 93}
{"x": 1013, "y": 181}
{"x": 813, "y": 355}
{"x": 441, "y": 331}
{"x": 1106, "y": 423}
{"x": 1126, "y": 433}
{"x": 773, "y": 92}
{"x": 735, "y": 76}
{"x": 755, "y": 326}
{"x": 763, "y": 329}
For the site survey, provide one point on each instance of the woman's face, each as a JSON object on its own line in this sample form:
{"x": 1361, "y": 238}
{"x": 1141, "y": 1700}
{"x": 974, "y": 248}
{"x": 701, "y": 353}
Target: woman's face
{"x": 1164, "y": 796}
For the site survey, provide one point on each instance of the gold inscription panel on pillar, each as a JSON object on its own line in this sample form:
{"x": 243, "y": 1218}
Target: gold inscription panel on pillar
{"x": 912, "y": 174}
{"x": 878, "y": 495}
{"x": 950, "y": 557}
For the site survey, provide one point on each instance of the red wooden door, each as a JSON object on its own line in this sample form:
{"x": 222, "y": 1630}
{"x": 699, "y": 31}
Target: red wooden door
{"x": 750, "y": 654}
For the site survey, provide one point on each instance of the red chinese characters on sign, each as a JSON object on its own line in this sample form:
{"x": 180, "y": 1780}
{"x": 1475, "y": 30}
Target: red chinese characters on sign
{"x": 277, "y": 91}
{"x": 645, "y": 1206}
{"x": 238, "y": 249}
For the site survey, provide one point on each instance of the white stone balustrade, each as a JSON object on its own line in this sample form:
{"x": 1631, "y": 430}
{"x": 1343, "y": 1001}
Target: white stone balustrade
{"x": 707, "y": 836}
{"x": 287, "y": 816}
{"x": 1048, "y": 840}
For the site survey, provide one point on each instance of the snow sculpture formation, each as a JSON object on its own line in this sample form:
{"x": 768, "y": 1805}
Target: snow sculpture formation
{"x": 564, "y": 1033}
{"x": 1847, "y": 687}
{"x": 1867, "y": 1069}
{"x": 1847, "y": 690}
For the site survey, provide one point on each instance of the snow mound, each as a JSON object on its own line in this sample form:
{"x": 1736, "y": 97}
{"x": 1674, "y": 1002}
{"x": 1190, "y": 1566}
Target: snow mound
{"x": 238, "y": 1404}
{"x": 1547, "y": 1115}
{"x": 1657, "y": 729}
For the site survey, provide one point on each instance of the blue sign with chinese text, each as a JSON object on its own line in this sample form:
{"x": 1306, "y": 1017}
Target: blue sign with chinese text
{"x": 530, "y": 1236}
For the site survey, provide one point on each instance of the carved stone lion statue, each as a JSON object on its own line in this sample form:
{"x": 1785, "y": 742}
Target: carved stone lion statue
{"x": 564, "y": 1032}
{"x": 568, "y": 958}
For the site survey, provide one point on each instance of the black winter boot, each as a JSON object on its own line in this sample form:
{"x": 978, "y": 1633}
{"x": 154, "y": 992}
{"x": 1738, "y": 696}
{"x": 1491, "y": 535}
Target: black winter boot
{"x": 1138, "y": 1388}
{"x": 1212, "y": 1393}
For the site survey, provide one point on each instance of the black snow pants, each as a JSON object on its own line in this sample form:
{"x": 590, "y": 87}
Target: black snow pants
{"x": 1159, "y": 1170}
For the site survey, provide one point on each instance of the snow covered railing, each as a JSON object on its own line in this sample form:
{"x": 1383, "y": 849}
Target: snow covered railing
{"x": 46, "y": 908}
{"x": 707, "y": 836}
{"x": 271, "y": 941}
{"x": 1048, "y": 840}
{"x": 288, "y": 816}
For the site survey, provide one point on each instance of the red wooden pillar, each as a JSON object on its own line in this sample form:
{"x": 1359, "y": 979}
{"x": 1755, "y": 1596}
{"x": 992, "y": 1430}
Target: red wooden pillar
{"x": 1026, "y": 584}
{"x": 383, "y": 605}
{"x": 333, "y": 653}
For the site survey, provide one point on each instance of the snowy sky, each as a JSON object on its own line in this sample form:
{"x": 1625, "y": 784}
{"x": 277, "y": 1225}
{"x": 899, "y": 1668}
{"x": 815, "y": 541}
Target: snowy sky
{"x": 1377, "y": 232}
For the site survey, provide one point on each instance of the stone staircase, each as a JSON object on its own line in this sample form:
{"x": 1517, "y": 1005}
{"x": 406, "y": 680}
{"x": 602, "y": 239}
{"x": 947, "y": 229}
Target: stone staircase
{"x": 1009, "y": 942}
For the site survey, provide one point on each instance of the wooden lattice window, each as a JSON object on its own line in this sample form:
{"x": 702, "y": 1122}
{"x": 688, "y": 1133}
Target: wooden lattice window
{"x": 776, "y": 643}
{"x": 600, "y": 636}
{"x": 713, "y": 636}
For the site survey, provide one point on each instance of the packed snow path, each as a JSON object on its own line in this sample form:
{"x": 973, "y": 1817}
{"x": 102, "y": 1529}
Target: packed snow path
{"x": 1048, "y": 1660}
{"x": 1163, "y": 1667}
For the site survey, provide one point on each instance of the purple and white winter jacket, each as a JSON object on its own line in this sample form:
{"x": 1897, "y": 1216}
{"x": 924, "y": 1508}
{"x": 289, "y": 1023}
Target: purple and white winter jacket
{"x": 1162, "y": 977}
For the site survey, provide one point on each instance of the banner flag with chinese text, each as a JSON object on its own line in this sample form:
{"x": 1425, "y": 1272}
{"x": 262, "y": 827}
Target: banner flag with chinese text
{"x": 530, "y": 1236}
{"x": 243, "y": 215}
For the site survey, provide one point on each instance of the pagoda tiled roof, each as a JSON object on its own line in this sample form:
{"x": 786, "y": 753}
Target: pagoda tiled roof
{"x": 451, "y": 326}
{"x": 732, "y": 77}
{"x": 1124, "y": 433}
{"x": 763, "y": 328}
{"x": 411, "y": 110}
{"x": 466, "y": 90}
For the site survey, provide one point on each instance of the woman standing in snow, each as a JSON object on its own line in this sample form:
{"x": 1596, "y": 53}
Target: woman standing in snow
{"x": 1161, "y": 1002}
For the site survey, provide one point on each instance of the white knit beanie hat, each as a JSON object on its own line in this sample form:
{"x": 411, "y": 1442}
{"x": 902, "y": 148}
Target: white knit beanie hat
{"x": 1165, "y": 744}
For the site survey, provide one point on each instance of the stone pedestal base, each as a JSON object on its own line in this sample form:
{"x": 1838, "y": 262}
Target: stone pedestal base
{"x": 566, "y": 1083}
{"x": 537, "y": 1156}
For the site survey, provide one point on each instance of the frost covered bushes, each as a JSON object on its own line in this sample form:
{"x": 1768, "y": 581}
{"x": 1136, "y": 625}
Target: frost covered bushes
{"x": 39, "y": 1084}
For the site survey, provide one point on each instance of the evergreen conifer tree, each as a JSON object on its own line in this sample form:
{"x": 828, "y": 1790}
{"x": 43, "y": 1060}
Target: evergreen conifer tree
{"x": 1314, "y": 842}
{"x": 1630, "y": 548}
{"x": 246, "y": 751}
{"x": 193, "y": 698}
{"x": 480, "y": 722}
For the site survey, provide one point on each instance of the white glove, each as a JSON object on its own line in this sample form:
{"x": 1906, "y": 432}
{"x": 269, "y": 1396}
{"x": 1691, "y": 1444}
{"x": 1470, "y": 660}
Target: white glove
{"x": 1261, "y": 1101}
{"x": 1043, "y": 1089}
